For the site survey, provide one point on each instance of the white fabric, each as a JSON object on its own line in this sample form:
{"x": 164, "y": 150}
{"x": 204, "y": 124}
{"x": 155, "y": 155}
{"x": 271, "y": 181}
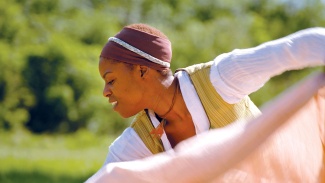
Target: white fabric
{"x": 127, "y": 147}
{"x": 235, "y": 75}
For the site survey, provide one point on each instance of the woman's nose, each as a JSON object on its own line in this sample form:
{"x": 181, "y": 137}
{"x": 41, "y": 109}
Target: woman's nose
{"x": 107, "y": 92}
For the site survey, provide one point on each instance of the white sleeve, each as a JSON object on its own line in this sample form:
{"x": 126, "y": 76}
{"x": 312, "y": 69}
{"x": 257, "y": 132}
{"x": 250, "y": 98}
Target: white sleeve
{"x": 243, "y": 71}
{"x": 127, "y": 147}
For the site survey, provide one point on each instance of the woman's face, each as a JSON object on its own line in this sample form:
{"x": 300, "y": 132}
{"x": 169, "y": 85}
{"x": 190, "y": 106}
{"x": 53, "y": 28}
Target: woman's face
{"x": 122, "y": 87}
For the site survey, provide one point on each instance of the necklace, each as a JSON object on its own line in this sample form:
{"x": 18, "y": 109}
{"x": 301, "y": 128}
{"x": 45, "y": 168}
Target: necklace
{"x": 159, "y": 131}
{"x": 173, "y": 101}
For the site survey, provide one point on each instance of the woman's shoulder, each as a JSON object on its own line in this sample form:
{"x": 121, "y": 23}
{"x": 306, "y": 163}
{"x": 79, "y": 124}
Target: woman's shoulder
{"x": 196, "y": 67}
{"x": 127, "y": 147}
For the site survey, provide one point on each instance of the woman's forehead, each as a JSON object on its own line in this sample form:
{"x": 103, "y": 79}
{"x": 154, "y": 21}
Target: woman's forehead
{"x": 108, "y": 66}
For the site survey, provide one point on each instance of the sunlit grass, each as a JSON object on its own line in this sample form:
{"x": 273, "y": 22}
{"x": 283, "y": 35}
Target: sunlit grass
{"x": 50, "y": 158}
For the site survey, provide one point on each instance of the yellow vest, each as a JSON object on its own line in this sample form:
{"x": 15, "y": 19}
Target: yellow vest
{"x": 219, "y": 112}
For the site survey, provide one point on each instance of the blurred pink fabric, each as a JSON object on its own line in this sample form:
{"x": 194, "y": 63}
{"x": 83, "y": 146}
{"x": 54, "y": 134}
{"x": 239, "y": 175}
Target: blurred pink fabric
{"x": 285, "y": 144}
{"x": 294, "y": 153}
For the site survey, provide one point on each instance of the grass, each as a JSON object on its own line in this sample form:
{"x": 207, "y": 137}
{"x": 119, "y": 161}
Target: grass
{"x": 25, "y": 157}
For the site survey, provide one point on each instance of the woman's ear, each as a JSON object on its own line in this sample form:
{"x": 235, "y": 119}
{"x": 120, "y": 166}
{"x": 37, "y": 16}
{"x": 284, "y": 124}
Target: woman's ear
{"x": 144, "y": 71}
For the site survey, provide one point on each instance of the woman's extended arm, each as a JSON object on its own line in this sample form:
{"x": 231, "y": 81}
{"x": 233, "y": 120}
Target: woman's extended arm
{"x": 243, "y": 71}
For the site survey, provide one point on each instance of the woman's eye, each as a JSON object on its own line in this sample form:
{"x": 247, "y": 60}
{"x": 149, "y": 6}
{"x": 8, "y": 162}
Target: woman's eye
{"x": 110, "y": 82}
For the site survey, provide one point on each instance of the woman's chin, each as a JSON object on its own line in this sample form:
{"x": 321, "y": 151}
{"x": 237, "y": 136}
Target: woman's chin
{"x": 125, "y": 114}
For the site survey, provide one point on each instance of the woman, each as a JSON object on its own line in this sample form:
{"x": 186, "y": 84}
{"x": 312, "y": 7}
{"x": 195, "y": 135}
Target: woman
{"x": 289, "y": 147}
{"x": 171, "y": 108}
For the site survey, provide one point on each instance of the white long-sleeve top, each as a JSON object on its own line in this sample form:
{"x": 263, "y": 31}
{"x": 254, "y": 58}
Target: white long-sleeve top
{"x": 234, "y": 75}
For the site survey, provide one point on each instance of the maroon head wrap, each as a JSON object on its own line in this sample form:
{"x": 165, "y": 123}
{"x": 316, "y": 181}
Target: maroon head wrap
{"x": 137, "y": 47}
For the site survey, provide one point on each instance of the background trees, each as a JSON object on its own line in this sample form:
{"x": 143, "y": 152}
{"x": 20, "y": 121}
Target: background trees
{"x": 49, "y": 51}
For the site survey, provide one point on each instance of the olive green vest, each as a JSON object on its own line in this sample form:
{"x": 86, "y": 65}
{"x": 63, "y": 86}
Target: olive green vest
{"x": 219, "y": 112}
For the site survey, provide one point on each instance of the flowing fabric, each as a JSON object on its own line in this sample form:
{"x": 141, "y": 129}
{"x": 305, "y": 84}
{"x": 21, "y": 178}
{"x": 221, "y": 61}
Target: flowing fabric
{"x": 285, "y": 144}
{"x": 293, "y": 153}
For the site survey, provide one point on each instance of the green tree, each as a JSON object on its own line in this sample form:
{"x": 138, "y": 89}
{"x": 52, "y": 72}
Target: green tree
{"x": 49, "y": 51}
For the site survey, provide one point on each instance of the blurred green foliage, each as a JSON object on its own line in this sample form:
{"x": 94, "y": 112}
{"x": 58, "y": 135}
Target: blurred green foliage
{"x": 49, "y": 51}
{"x": 49, "y": 158}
